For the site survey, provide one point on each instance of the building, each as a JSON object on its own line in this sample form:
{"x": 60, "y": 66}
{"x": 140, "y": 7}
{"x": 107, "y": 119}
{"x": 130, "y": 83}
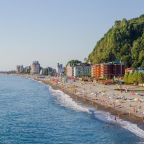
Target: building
{"x": 48, "y": 71}
{"x": 69, "y": 70}
{"x": 107, "y": 70}
{"x": 78, "y": 70}
{"x": 19, "y": 69}
{"x": 35, "y": 68}
{"x": 22, "y": 69}
{"x": 27, "y": 69}
{"x": 70, "y": 67}
{"x": 95, "y": 71}
{"x": 129, "y": 70}
{"x": 82, "y": 70}
{"x": 60, "y": 69}
{"x": 51, "y": 71}
{"x": 118, "y": 70}
{"x": 44, "y": 71}
{"x": 140, "y": 70}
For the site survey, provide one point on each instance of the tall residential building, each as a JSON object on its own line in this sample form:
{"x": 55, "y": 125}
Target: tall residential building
{"x": 19, "y": 69}
{"x": 35, "y": 67}
{"x": 48, "y": 71}
{"x": 27, "y": 69}
{"x": 60, "y": 69}
{"x": 51, "y": 71}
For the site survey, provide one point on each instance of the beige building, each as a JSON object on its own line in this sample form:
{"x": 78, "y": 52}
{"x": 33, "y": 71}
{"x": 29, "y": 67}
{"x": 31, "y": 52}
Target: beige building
{"x": 69, "y": 71}
{"x": 78, "y": 70}
{"x": 35, "y": 68}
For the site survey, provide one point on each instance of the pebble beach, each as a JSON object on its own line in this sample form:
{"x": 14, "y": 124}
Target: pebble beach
{"x": 127, "y": 103}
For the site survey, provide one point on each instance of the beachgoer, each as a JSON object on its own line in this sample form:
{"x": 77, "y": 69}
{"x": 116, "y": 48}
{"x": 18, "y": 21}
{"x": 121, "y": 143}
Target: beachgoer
{"x": 115, "y": 118}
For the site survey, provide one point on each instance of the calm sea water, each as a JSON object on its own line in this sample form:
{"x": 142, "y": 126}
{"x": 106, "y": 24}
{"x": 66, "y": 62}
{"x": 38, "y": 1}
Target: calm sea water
{"x": 33, "y": 113}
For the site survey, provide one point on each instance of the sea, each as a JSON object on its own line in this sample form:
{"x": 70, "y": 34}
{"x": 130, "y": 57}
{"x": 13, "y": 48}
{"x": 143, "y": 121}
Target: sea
{"x": 33, "y": 113}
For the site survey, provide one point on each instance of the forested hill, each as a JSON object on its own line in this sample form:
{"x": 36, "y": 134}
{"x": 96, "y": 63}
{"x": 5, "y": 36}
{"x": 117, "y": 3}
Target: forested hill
{"x": 123, "y": 42}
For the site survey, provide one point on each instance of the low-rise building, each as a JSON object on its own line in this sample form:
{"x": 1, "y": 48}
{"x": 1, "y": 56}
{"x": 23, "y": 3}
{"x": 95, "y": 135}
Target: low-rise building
{"x": 78, "y": 70}
{"x": 107, "y": 70}
{"x": 69, "y": 70}
{"x": 70, "y": 67}
{"x": 95, "y": 71}
{"x": 82, "y": 70}
{"x": 140, "y": 69}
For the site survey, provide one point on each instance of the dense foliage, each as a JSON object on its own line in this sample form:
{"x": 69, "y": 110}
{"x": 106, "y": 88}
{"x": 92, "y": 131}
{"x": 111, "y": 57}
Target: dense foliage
{"x": 123, "y": 42}
{"x": 74, "y": 62}
{"x": 134, "y": 78}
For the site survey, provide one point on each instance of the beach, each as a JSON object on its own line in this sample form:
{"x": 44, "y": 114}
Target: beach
{"x": 126, "y": 104}
{"x": 34, "y": 112}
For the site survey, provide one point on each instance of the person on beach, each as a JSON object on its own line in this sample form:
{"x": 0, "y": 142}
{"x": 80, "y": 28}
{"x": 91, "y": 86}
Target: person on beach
{"x": 115, "y": 118}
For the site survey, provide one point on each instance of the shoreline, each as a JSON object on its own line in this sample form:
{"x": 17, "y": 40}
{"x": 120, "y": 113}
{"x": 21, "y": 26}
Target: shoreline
{"x": 85, "y": 100}
{"x": 119, "y": 112}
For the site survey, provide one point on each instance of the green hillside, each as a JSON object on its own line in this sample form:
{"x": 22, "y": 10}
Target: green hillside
{"x": 123, "y": 42}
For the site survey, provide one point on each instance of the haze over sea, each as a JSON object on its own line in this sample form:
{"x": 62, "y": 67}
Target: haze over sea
{"x": 34, "y": 113}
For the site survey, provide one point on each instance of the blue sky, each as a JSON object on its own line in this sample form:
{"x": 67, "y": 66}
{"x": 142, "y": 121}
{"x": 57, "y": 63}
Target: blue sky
{"x": 52, "y": 31}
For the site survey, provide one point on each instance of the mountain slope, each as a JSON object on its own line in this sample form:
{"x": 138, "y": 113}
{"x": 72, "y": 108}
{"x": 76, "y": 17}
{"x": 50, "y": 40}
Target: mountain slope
{"x": 123, "y": 42}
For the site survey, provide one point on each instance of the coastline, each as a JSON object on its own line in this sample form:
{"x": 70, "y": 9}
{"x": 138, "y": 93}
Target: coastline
{"x": 86, "y": 100}
{"x": 119, "y": 112}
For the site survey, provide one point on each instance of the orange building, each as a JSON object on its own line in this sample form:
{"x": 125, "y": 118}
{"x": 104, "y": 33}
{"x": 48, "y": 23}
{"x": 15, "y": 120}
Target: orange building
{"x": 107, "y": 70}
{"x": 95, "y": 71}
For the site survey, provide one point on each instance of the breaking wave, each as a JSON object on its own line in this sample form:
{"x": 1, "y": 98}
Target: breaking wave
{"x": 108, "y": 118}
{"x": 66, "y": 101}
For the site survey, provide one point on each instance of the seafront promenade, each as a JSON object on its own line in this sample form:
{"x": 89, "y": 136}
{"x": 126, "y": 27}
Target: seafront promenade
{"x": 127, "y": 104}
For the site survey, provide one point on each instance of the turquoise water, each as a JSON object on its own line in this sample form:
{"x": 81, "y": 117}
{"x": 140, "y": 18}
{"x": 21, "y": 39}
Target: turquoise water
{"x": 33, "y": 113}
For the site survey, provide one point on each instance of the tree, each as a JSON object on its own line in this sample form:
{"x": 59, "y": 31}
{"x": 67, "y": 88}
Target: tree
{"x": 134, "y": 77}
{"x": 124, "y": 41}
{"x": 130, "y": 78}
{"x": 140, "y": 77}
{"x": 74, "y": 62}
{"x": 126, "y": 78}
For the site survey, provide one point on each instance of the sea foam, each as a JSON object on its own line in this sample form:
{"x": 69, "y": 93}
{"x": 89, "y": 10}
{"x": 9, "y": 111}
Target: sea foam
{"x": 66, "y": 101}
{"x": 108, "y": 118}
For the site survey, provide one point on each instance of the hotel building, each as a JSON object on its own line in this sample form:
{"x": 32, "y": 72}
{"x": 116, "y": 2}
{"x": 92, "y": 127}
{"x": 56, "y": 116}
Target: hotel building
{"x": 107, "y": 70}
